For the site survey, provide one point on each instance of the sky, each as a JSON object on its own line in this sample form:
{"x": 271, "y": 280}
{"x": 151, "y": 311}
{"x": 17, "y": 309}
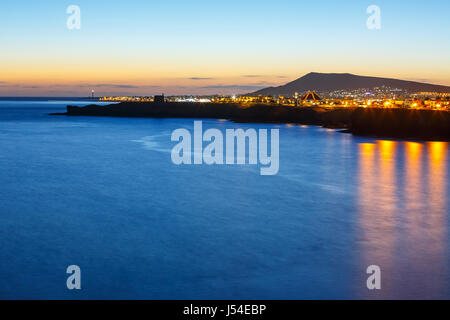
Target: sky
{"x": 137, "y": 47}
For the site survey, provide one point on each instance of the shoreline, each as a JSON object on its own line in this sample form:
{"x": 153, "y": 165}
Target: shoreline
{"x": 378, "y": 123}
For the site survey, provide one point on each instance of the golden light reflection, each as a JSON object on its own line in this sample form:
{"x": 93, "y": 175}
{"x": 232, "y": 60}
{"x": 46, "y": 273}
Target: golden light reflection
{"x": 414, "y": 194}
{"x": 387, "y": 148}
{"x": 414, "y": 150}
{"x": 403, "y": 214}
{"x": 377, "y": 202}
{"x": 437, "y": 212}
{"x": 438, "y": 152}
{"x": 413, "y": 185}
{"x": 386, "y": 179}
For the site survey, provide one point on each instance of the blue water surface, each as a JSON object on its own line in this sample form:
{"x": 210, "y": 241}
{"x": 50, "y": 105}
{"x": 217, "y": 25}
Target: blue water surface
{"x": 103, "y": 194}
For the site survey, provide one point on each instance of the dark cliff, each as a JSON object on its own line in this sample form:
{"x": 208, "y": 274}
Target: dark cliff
{"x": 388, "y": 123}
{"x": 401, "y": 123}
{"x": 234, "y": 112}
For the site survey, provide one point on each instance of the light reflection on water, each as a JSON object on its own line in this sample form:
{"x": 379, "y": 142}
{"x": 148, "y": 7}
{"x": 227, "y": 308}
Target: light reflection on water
{"x": 403, "y": 216}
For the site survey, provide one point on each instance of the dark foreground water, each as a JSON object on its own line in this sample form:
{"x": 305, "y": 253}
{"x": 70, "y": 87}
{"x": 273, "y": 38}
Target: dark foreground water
{"x": 102, "y": 193}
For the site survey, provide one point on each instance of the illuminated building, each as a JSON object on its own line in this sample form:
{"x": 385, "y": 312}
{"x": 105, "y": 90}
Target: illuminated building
{"x": 311, "y": 96}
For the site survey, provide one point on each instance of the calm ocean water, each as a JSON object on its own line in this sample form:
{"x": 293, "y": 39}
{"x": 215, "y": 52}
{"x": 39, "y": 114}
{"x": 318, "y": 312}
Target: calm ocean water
{"x": 102, "y": 193}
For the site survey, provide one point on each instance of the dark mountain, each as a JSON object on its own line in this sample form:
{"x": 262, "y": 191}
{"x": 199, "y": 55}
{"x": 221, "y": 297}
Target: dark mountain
{"x": 326, "y": 82}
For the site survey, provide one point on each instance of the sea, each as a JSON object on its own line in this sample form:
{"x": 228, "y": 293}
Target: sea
{"x": 103, "y": 194}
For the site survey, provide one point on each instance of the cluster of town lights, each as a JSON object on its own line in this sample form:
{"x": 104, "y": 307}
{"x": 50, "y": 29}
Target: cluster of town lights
{"x": 439, "y": 102}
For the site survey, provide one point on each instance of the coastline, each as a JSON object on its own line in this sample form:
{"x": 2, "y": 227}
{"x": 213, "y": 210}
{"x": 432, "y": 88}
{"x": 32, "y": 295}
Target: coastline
{"x": 373, "y": 122}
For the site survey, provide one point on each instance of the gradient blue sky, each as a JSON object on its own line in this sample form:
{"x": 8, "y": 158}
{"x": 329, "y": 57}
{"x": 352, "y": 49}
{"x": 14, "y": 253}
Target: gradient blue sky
{"x": 191, "y": 47}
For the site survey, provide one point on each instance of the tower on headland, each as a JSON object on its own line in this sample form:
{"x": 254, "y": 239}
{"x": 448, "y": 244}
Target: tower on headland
{"x": 159, "y": 99}
{"x": 93, "y": 94}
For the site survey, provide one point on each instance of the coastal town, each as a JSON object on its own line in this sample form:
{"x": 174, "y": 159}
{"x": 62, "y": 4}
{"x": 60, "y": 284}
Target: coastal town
{"x": 380, "y": 97}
